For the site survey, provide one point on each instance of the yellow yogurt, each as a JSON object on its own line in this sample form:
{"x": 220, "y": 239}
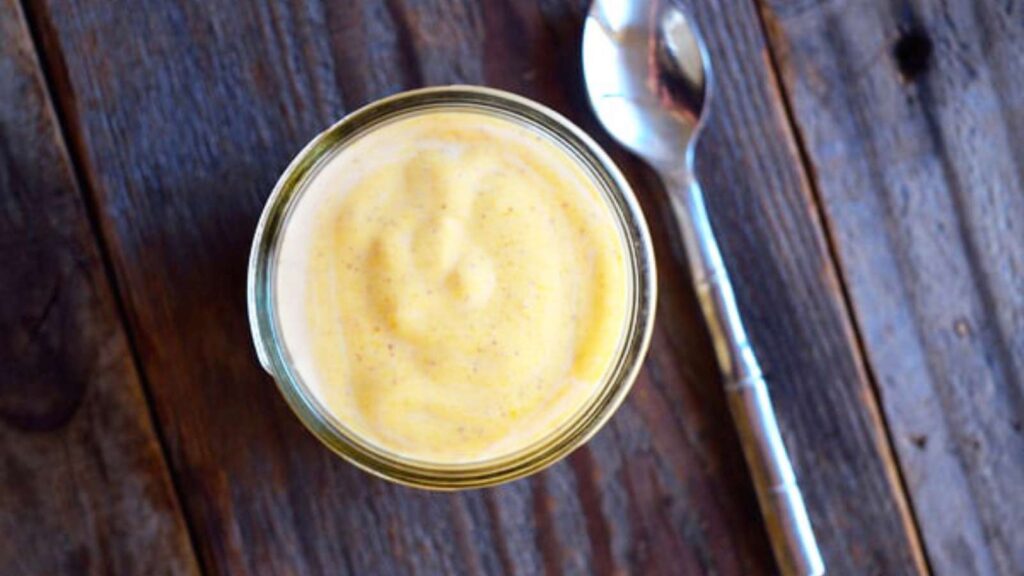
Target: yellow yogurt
{"x": 451, "y": 286}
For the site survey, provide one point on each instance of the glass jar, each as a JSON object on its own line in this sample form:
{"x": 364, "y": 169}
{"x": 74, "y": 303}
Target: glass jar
{"x": 619, "y": 376}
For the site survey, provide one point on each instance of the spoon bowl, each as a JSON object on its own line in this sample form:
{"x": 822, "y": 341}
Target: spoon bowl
{"x": 647, "y": 76}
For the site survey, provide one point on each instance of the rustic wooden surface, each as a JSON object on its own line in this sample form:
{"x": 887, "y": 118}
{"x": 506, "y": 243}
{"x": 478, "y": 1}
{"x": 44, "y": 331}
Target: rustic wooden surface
{"x": 83, "y": 484}
{"x": 912, "y": 118}
{"x": 879, "y": 265}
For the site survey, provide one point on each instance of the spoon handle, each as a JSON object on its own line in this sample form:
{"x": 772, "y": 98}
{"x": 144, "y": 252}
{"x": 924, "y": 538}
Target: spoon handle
{"x": 782, "y": 505}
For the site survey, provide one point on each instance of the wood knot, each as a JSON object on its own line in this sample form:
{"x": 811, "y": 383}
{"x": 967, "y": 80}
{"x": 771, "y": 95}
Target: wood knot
{"x": 46, "y": 363}
{"x": 912, "y": 53}
{"x": 41, "y": 399}
{"x": 919, "y": 440}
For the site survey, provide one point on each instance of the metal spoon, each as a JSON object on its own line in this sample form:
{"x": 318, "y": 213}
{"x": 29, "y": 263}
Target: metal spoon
{"x": 649, "y": 80}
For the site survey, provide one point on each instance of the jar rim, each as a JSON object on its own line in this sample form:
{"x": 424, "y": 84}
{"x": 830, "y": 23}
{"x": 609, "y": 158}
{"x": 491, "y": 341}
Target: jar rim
{"x": 618, "y": 378}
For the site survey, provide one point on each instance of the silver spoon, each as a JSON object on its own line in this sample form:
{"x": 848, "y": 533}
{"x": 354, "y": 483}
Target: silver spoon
{"x": 649, "y": 80}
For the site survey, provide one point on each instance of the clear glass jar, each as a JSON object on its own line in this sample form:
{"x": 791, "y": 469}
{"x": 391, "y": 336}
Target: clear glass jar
{"x": 619, "y": 377}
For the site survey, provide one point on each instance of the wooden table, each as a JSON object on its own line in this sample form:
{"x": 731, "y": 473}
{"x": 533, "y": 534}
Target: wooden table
{"x": 865, "y": 170}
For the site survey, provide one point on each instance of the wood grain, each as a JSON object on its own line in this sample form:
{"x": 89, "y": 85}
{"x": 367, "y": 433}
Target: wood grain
{"x": 911, "y": 115}
{"x": 83, "y": 485}
{"x": 762, "y": 205}
{"x": 182, "y": 115}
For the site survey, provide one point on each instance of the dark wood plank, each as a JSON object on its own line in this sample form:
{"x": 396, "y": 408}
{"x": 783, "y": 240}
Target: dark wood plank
{"x": 83, "y": 485}
{"x": 183, "y": 114}
{"x": 763, "y": 206}
{"x": 912, "y": 116}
